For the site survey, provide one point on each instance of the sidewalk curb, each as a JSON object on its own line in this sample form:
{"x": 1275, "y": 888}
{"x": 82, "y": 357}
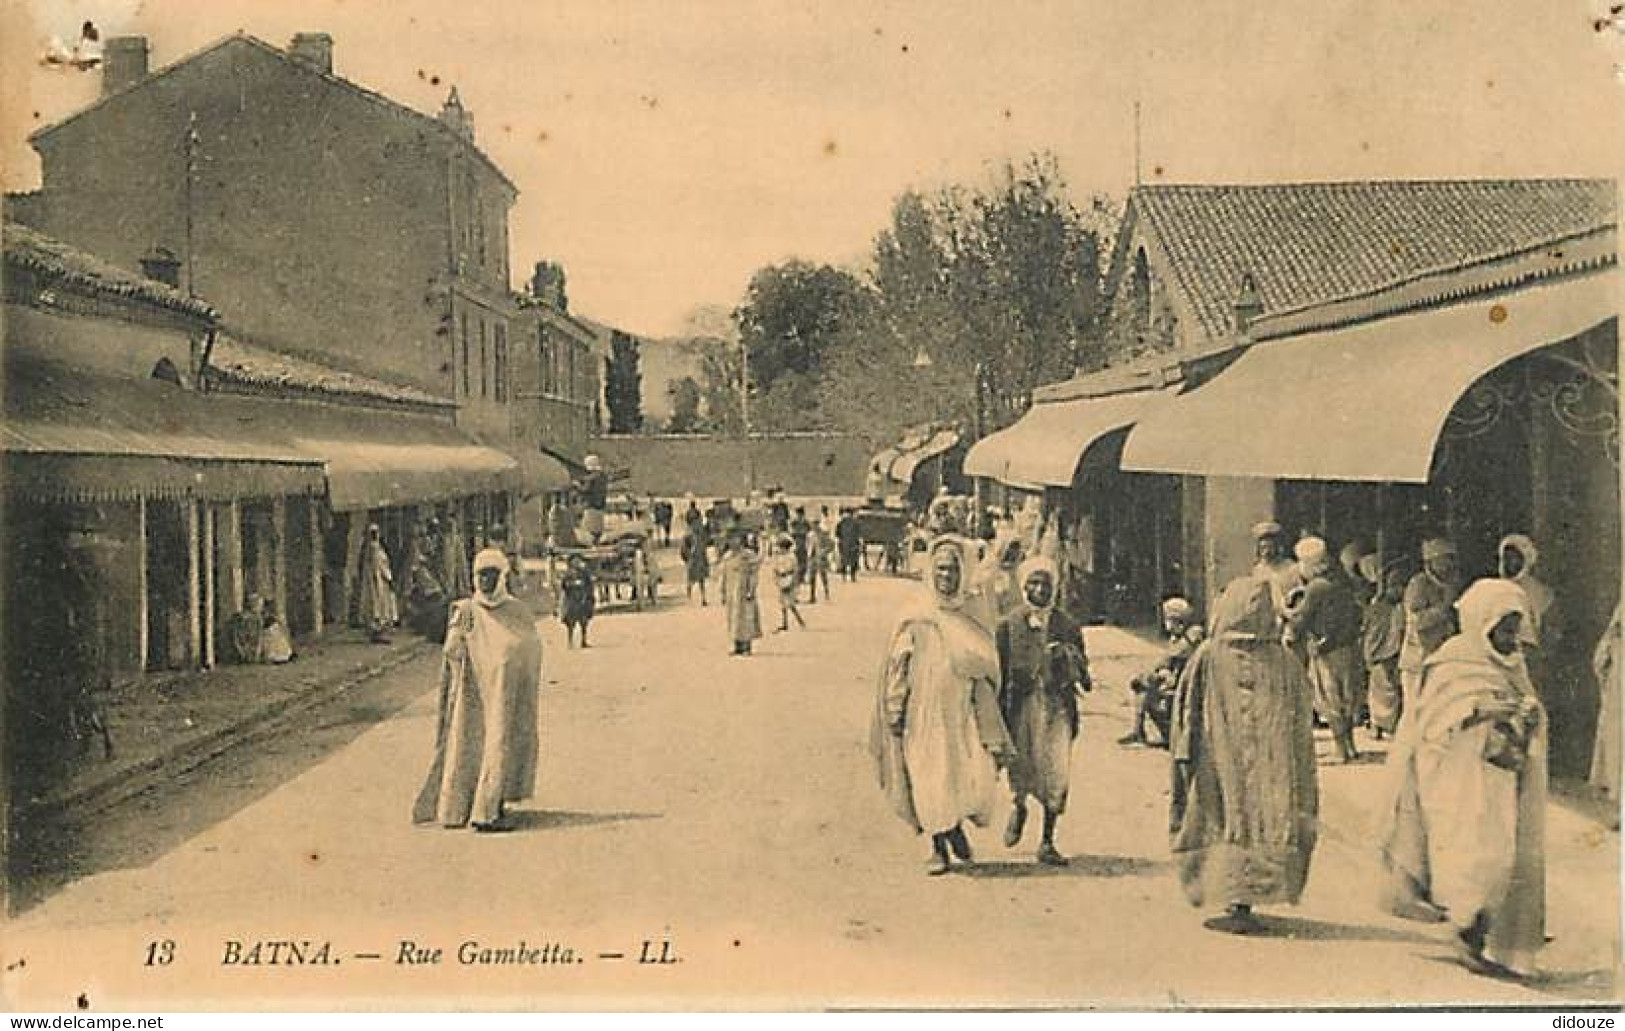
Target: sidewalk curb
{"x": 121, "y": 784}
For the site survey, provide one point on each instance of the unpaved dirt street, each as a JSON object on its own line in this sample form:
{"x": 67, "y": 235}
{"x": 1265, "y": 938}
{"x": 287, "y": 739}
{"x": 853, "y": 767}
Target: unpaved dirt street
{"x": 723, "y": 811}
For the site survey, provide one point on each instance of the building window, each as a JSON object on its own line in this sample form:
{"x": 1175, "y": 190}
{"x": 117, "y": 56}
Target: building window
{"x": 467, "y": 388}
{"x": 502, "y": 363}
{"x": 485, "y": 364}
{"x": 542, "y": 367}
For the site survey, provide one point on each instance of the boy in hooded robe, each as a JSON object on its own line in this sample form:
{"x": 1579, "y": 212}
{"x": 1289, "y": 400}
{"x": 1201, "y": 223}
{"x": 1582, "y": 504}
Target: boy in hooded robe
{"x": 937, "y": 736}
{"x": 490, "y": 676}
{"x": 1044, "y": 669}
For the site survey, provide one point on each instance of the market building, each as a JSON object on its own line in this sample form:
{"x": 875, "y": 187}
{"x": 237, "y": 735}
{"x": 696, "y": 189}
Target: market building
{"x": 1371, "y": 362}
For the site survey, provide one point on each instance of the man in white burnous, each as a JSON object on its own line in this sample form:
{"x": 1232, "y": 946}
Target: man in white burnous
{"x": 938, "y": 738}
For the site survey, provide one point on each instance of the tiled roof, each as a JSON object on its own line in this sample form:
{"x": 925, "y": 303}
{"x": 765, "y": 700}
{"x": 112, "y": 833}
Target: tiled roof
{"x": 1310, "y": 242}
{"x": 30, "y": 249}
{"x": 261, "y": 45}
{"x": 234, "y": 361}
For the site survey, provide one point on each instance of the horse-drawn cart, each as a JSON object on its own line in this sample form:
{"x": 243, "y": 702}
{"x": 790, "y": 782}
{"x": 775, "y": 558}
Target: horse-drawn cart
{"x": 622, "y": 565}
{"x": 889, "y": 531}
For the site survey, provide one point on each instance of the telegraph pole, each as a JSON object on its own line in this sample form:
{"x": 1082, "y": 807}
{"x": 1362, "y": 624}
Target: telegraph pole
{"x": 191, "y": 149}
{"x": 744, "y": 416}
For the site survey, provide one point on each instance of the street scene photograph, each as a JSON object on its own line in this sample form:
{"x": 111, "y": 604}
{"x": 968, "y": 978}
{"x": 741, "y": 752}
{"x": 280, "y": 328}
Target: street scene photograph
{"x": 776, "y": 505}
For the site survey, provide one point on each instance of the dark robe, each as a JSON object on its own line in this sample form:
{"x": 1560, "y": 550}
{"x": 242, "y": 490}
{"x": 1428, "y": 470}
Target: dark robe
{"x": 1243, "y": 819}
{"x": 1043, "y": 670}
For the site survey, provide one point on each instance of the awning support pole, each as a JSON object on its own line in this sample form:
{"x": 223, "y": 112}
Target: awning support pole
{"x": 279, "y": 563}
{"x": 232, "y": 559}
{"x": 317, "y": 550}
{"x": 142, "y": 630}
{"x": 194, "y": 625}
{"x": 209, "y": 614}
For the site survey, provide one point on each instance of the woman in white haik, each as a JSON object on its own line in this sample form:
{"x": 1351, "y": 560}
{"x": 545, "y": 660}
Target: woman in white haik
{"x": 485, "y": 748}
{"x": 1463, "y": 835}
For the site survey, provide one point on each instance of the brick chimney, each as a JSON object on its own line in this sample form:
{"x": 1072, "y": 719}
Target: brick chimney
{"x": 547, "y": 285}
{"x": 161, "y": 264}
{"x": 1249, "y": 305}
{"x": 124, "y": 63}
{"x": 314, "y": 49}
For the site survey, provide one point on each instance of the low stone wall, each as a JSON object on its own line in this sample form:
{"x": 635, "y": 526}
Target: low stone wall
{"x": 804, "y": 464}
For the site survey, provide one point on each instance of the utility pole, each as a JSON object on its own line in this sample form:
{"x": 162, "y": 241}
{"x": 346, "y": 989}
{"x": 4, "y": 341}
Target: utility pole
{"x": 191, "y": 151}
{"x": 1136, "y": 143}
{"x": 979, "y": 430}
{"x": 744, "y": 416}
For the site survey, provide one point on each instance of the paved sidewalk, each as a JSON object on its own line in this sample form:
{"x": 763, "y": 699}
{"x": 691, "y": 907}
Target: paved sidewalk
{"x": 167, "y": 723}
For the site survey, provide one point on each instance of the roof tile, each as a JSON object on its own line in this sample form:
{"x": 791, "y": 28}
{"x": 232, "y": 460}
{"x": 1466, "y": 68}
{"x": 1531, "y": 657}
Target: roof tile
{"x": 1310, "y": 242}
{"x": 30, "y": 249}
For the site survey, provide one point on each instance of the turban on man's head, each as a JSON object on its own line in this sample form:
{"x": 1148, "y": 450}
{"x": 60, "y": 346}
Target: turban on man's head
{"x": 1177, "y": 608}
{"x": 1436, "y": 548}
{"x": 1268, "y": 528}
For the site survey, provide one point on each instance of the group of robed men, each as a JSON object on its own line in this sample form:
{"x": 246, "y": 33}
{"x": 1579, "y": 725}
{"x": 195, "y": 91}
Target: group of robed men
{"x": 978, "y": 678}
{"x": 983, "y": 672}
{"x": 1446, "y": 670}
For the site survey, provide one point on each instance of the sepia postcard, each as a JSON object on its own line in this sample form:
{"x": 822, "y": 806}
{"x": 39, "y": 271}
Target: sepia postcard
{"x": 803, "y": 505}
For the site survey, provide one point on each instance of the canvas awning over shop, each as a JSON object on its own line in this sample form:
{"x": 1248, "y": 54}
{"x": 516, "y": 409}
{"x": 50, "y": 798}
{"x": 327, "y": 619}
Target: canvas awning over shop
{"x": 378, "y": 458}
{"x": 541, "y": 473}
{"x": 883, "y": 461}
{"x": 372, "y": 474}
{"x": 1366, "y": 402}
{"x": 1045, "y": 446}
{"x": 940, "y": 442}
{"x": 69, "y": 435}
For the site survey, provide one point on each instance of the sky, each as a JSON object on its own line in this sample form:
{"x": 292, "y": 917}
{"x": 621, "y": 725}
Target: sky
{"x": 666, "y": 149}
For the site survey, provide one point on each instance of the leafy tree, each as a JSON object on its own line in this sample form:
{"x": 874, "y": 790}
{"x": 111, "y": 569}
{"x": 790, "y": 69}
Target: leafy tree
{"x": 1007, "y": 276}
{"x": 685, "y": 406}
{"x": 792, "y": 317}
{"x": 623, "y": 389}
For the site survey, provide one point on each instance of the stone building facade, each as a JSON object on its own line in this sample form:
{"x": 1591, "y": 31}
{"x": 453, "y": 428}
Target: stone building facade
{"x": 336, "y": 224}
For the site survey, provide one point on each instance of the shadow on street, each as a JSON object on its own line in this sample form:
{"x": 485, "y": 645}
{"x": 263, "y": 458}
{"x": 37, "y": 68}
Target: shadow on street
{"x": 549, "y": 819}
{"x": 1077, "y": 866}
{"x": 52, "y": 853}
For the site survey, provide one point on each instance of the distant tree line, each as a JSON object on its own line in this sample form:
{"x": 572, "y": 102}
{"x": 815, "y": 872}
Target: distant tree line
{"x": 1007, "y": 274}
